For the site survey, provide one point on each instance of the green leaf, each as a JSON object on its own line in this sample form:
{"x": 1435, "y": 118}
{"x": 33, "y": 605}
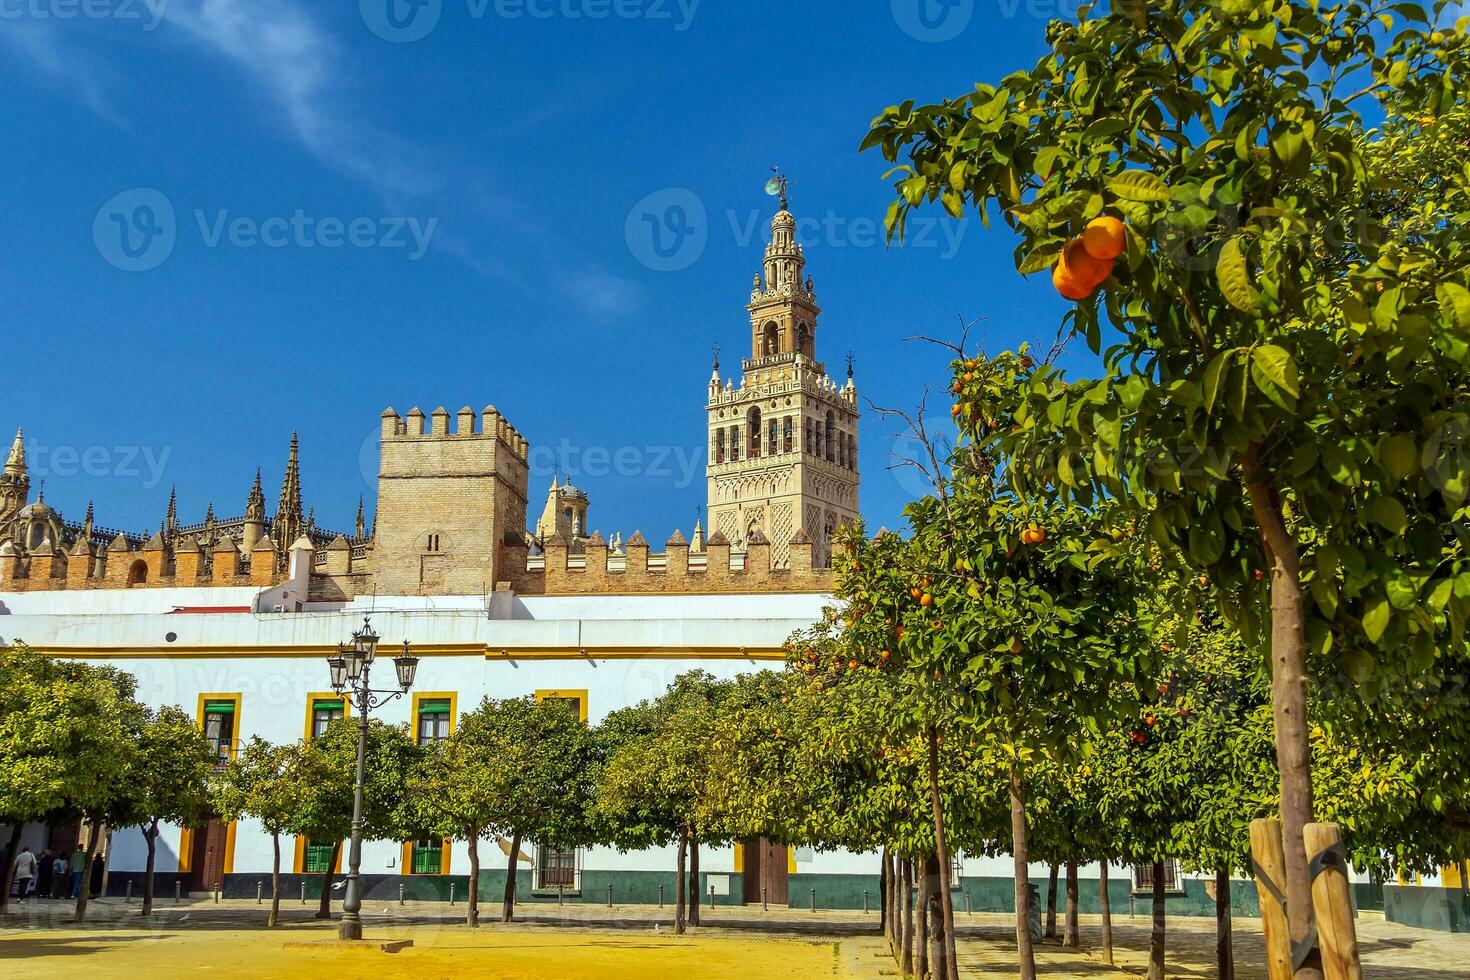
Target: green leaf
{"x": 1277, "y": 366}
{"x": 1046, "y": 158}
{"x": 1287, "y": 143}
{"x": 1376, "y": 617}
{"x": 1214, "y": 375}
{"x": 1388, "y": 514}
{"x": 1044, "y": 256}
{"x": 1399, "y": 455}
{"x": 1139, "y": 185}
{"x": 1454, "y": 300}
{"x": 1234, "y": 278}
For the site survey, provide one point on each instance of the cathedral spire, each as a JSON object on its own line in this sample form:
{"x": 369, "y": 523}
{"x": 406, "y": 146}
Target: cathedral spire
{"x": 255, "y": 502}
{"x": 361, "y": 523}
{"x": 15, "y": 484}
{"x": 287, "y": 525}
{"x": 171, "y": 520}
{"x": 15, "y": 465}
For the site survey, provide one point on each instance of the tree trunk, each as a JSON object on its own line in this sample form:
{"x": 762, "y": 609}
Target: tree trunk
{"x": 895, "y": 913}
{"x": 681, "y": 884}
{"x": 941, "y": 949}
{"x": 906, "y": 909}
{"x": 883, "y": 895}
{"x": 84, "y": 890}
{"x": 925, "y": 874}
{"x": 892, "y": 904}
{"x": 14, "y": 855}
{"x": 1071, "y": 935}
{"x": 1051, "y": 901}
{"x": 1288, "y": 698}
{"x": 1025, "y": 955}
{"x": 694, "y": 890}
{"x": 1107, "y": 914}
{"x": 1156, "y": 938}
{"x": 472, "y": 910}
{"x": 508, "y": 903}
{"x": 324, "y": 906}
{"x": 274, "y": 918}
{"x": 938, "y": 960}
{"x": 946, "y": 898}
{"x": 150, "y": 837}
{"x": 1224, "y": 947}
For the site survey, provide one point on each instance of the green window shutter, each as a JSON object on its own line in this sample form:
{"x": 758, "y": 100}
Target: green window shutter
{"x": 219, "y": 707}
{"x": 427, "y": 861}
{"x": 318, "y": 859}
{"x": 326, "y": 706}
{"x": 433, "y": 707}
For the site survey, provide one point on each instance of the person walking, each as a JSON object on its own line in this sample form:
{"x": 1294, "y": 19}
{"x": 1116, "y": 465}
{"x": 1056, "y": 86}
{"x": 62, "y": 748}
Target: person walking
{"x": 60, "y": 866}
{"x": 96, "y": 882}
{"x": 25, "y": 873}
{"x": 43, "y": 873}
{"x": 78, "y": 863}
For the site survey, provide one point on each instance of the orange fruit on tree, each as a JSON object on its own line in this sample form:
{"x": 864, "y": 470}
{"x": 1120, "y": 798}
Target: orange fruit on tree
{"x": 1077, "y": 273}
{"x": 1104, "y": 238}
{"x": 926, "y": 600}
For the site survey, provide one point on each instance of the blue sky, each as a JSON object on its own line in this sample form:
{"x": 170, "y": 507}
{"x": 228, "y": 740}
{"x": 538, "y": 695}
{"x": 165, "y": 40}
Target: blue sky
{"x": 364, "y": 219}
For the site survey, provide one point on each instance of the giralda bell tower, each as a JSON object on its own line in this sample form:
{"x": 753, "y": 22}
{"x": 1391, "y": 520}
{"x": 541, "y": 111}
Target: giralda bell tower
{"x": 783, "y": 443}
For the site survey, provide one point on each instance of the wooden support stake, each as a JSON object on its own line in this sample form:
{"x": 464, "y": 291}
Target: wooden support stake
{"x": 1270, "y": 860}
{"x": 1332, "y": 898}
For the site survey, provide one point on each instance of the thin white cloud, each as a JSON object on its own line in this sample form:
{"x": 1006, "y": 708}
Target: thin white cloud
{"x": 285, "y": 52}
{"x": 601, "y": 295}
{"x": 39, "y": 42}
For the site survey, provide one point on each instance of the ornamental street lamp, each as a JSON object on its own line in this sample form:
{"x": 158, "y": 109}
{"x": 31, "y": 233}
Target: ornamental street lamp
{"x": 350, "y": 668}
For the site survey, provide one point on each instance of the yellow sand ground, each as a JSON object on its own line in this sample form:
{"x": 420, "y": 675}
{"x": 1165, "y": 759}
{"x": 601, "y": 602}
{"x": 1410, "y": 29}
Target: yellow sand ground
{"x": 450, "y": 953}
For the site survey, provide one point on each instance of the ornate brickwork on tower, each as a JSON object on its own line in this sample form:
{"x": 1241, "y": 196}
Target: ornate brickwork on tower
{"x": 783, "y": 444}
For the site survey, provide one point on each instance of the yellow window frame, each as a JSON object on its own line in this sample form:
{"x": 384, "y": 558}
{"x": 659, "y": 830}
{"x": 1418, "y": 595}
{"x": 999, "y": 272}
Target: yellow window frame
{"x": 314, "y": 697}
{"x": 234, "y": 698}
{"x": 579, "y": 696}
{"x": 419, "y": 699}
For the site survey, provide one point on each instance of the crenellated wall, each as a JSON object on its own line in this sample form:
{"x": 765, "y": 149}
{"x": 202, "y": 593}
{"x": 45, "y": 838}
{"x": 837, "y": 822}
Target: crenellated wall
{"x": 673, "y": 572}
{"x": 117, "y": 568}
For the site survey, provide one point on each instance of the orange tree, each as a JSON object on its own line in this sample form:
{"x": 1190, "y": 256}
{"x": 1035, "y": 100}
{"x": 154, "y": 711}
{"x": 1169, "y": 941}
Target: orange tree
{"x": 1014, "y": 621}
{"x": 1291, "y": 312}
{"x": 816, "y": 756}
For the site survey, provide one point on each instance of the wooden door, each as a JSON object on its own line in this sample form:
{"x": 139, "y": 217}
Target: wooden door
{"x": 774, "y": 872}
{"x": 765, "y": 875}
{"x": 207, "y": 862}
{"x": 750, "y": 876}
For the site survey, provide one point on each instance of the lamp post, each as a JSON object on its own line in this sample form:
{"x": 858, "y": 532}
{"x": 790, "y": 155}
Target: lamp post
{"x": 350, "y": 669}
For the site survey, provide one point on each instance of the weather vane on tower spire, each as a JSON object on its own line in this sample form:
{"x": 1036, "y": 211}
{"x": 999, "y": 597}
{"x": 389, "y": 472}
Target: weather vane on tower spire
{"x": 778, "y": 186}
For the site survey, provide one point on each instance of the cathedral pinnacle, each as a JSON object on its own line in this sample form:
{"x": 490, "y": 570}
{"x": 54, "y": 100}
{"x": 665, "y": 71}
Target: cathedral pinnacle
{"x": 255, "y": 503}
{"x": 288, "y": 521}
{"x": 15, "y": 465}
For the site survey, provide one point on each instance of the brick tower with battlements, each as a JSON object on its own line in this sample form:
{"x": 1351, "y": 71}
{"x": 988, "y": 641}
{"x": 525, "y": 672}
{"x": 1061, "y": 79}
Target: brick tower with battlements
{"x": 446, "y": 500}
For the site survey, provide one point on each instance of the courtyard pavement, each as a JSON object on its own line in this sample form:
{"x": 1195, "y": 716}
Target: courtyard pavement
{"x": 594, "y": 941}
